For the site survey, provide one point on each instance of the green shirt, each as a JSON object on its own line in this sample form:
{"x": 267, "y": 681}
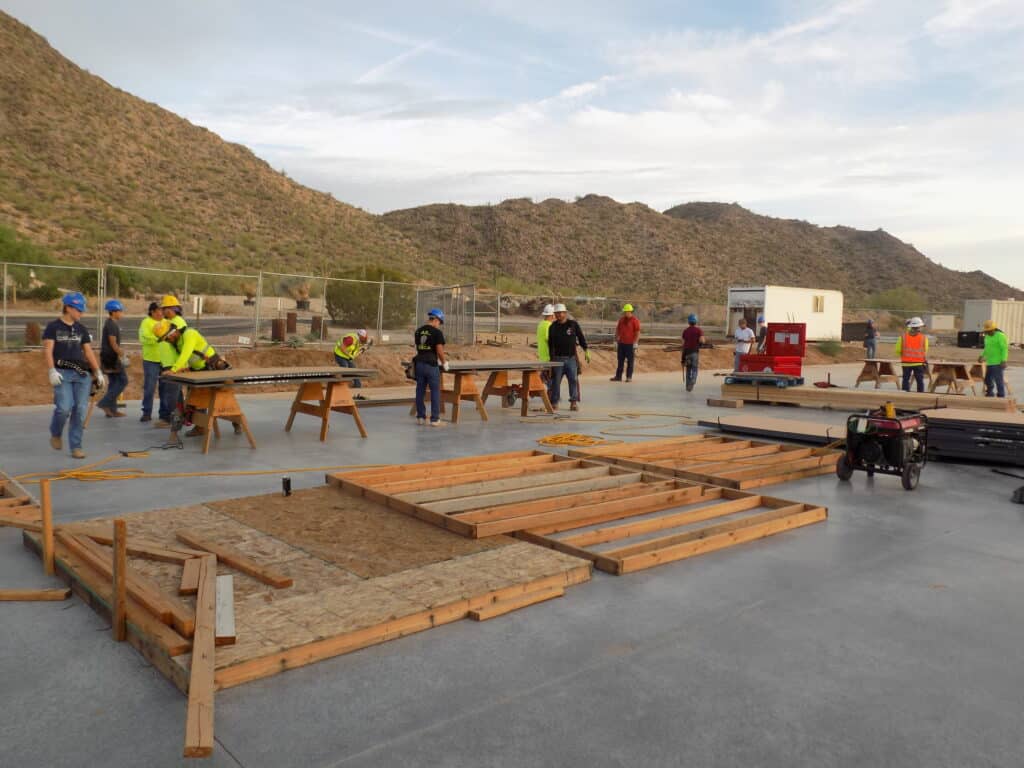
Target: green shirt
{"x": 543, "y": 352}
{"x": 150, "y": 344}
{"x": 997, "y": 348}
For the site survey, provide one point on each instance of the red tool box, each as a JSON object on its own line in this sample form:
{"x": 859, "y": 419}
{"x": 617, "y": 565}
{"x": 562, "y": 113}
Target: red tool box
{"x": 788, "y": 364}
{"x": 785, "y": 348}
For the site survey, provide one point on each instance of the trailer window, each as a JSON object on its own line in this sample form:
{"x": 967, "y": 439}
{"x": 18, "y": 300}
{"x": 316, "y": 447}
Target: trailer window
{"x": 818, "y": 304}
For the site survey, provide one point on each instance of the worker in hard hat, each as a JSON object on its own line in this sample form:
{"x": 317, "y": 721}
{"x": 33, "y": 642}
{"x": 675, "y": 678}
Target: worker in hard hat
{"x": 428, "y": 363}
{"x": 150, "y": 361}
{"x": 349, "y": 347}
{"x": 194, "y": 352}
{"x": 71, "y": 365}
{"x": 564, "y": 336}
{"x": 627, "y": 340}
{"x": 113, "y": 359}
{"x": 693, "y": 339}
{"x": 995, "y": 356}
{"x": 170, "y": 392}
{"x": 912, "y": 347}
{"x": 547, "y": 316}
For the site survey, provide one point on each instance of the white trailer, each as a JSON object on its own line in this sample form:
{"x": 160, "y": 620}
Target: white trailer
{"x": 820, "y": 309}
{"x": 1007, "y": 314}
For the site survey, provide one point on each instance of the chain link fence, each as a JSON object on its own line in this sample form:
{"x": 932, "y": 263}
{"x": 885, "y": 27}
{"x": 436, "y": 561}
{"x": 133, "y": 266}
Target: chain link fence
{"x": 32, "y": 298}
{"x": 458, "y": 302}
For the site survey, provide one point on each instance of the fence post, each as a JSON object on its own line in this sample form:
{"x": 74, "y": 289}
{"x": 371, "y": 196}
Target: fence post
{"x": 259, "y": 307}
{"x": 5, "y": 304}
{"x": 380, "y": 312}
{"x": 498, "y": 314}
{"x": 101, "y": 292}
{"x": 324, "y": 315}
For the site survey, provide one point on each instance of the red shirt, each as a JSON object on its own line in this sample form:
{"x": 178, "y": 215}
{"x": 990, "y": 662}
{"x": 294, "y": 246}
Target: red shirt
{"x": 691, "y": 338}
{"x": 627, "y": 330}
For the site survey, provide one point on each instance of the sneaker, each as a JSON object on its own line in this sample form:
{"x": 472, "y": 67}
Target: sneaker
{"x": 55, "y": 443}
{"x": 110, "y": 412}
{"x": 194, "y": 432}
{"x": 437, "y": 423}
{"x": 118, "y": 414}
{"x": 77, "y": 453}
{"x": 420, "y": 421}
{"x": 689, "y": 387}
{"x": 161, "y": 424}
{"x": 574, "y": 406}
{"x": 146, "y": 417}
{"x": 614, "y": 378}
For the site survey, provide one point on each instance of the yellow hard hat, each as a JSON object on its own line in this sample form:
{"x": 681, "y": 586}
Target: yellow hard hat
{"x": 170, "y": 301}
{"x": 627, "y": 307}
{"x": 989, "y": 325}
{"x": 162, "y": 328}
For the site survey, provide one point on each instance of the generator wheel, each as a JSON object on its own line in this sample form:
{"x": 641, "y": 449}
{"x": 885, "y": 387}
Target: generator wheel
{"x": 844, "y": 469}
{"x": 911, "y": 475}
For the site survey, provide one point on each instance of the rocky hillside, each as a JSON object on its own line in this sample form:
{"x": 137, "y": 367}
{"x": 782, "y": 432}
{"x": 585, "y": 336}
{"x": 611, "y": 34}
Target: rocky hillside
{"x": 95, "y": 174}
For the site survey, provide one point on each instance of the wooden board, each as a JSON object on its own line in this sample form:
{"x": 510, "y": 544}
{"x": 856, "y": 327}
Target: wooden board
{"x": 225, "y": 634}
{"x": 199, "y": 718}
{"x": 718, "y": 460}
{"x": 862, "y": 399}
{"x": 27, "y": 595}
{"x": 792, "y": 430}
{"x": 514, "y": 604}
{"x": 236, "y": 559}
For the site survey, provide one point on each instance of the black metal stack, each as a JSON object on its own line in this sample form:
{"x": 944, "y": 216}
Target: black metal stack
{"x": 999, "y": 440}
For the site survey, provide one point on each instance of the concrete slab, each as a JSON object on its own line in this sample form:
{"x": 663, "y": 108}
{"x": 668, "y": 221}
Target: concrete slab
{"x": 887, "y": 636}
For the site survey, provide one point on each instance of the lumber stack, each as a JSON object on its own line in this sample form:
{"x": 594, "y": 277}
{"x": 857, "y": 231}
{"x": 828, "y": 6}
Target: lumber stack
{"x": 860, "y": 400}
{"x": 962, "y": 434}
{"x": 17, "y": 508}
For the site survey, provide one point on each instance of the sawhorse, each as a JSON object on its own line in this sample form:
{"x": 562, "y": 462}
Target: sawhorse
{"x": 533, "y": 386}
{"x": 317, "y": 399}
{"x": 212, "y": 403}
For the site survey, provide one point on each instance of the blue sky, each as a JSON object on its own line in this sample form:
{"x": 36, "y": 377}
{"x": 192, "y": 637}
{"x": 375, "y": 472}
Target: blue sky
{"x": 900, "y": 114}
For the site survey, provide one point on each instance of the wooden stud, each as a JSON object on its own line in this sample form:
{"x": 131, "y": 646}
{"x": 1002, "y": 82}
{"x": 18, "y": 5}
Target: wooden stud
{"x": 46, "y": 507}
{"x": 236, "y": 559}
{"x": 34, "y": 594}
{"x": 469, "y": 503}
{"x": 190, "y": 576}
{"x": 715, "y": 402}
{"x": 118, "y": 625}
{"x": 199, "y": 718}
{"x": 502, "y": 607}
{"x": 562, "y": 500}
{"x": 225, "y": 634}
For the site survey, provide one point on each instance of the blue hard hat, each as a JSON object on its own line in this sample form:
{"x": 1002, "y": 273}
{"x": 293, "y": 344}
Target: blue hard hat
{"x": 436, "y": 312}
{"x": 760, "y": 318}
{"x": 114, "y": 306}
{"x": 692, "y": 319}
{"x": 74, "y": 300}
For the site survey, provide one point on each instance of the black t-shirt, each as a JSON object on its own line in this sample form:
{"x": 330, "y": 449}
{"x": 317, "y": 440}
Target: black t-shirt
{"x": 67, "y": 340}
{"x": 562, "y": 338}
{"x": 108, "y": 357}
{"x": 426, "y": 339}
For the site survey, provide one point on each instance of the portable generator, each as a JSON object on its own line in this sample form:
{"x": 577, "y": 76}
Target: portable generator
{"x": 888, "y": 442}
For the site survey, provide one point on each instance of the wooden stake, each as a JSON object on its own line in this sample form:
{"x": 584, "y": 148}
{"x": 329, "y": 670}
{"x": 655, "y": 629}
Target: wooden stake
{"x": 34, "y": 594}
{"x": 119, "y": 627}
{"x": 46, "y": 508}
{"x": 199, "y": 719}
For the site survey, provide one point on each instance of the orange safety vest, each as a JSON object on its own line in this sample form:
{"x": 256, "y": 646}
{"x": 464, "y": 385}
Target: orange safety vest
{"x": 912, "y": 349}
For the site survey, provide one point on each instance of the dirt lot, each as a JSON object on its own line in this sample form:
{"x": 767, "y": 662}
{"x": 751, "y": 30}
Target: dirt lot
{"x": 23, "y": 374}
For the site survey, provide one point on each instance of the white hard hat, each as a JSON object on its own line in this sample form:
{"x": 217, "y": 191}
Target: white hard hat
{"x": 361, "y": 333}
{"x": 915, "y": 322}
{"x": 560, "y": 308}
{"x": 548, "y": 310}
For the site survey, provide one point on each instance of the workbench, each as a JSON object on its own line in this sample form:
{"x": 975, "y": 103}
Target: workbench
{"x": 498, "y": 383}
{"x": 884, "y": 371}
{"x": 322, "y": 389}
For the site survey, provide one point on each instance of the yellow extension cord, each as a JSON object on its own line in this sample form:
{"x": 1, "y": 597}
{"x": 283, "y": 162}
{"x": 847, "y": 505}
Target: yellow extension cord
{"x": 576, "y": 439}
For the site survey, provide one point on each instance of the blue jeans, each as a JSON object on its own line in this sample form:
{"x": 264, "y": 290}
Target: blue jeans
{"x": 344, "y": 362}
{"x": 150, "y": 378}
{"x": 169, "y": 393}
{"x": 428, "y": 375}
{"x": 994, "y": 381}
{"x": 116, "y": 382}
{"x": 871, "y": 350}
{"x": 917, "y": 371}
{"x": 691, "y": 362}
{"x": 627, "y": 356}
{"x": 71, "y": 398}
{"x": 571, "y": 372}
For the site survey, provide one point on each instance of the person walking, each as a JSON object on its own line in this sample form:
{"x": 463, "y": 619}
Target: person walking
{"x": 169, "y": 391}
{"x": 762, "y": 335}
{"x": 349, "y": 347}
{"x": 71, "y": 365}
{"x": 113, "y": 359}
{"x": 995, "y": 356}
{"x": 547, "y": 316}
{"x": 563, "y": 337}
{"x": 912, "y": 347}
{"x": 428, "y": 363}
{"x": 150, "y": 360}
{"x": 693, "y": 338}
{"x": 871, "y": 341}
{"x": 744, "y": 338}
{"x": 627, "y": 338}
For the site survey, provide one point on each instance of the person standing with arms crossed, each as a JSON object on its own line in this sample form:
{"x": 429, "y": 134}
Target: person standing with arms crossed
{"x": 430, "y": 360}
{"x": 563, "y": 336}
{"x": 150, "y": 360}
{"x": 67, "y": 349}
{"x": 744, "y": 337}
{"x": 112, "y": 359}
{"x": 693, "y": 338}
{"x": 627, "y": 337}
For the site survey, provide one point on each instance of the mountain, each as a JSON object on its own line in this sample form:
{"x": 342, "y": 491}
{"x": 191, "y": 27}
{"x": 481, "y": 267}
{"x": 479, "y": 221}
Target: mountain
{"x": 97, "y": 175}
{"x": 694, "y": 250}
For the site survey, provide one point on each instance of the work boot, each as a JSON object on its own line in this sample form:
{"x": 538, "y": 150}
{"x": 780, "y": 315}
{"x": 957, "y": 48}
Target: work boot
{"x": 194, "y": 432}
{"x": 574, "y": 406}
{"x": 614, "y": 378}
{"x": 421, "y": 421}
{"x": 55, "y": 443}
{"x": 238, "y": 428}
{"x": 146, "y": 417}
{"x": 110, "y": 412}
{"x": 161, "y": 424}
{"x": 628, "y": 380}
{"x": 77, "y": 453}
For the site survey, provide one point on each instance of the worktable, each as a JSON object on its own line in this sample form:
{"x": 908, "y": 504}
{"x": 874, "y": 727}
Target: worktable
{"x": 882, "y": 371}
{"x": 498, "y": 383}
{"x": 322, "y": 389}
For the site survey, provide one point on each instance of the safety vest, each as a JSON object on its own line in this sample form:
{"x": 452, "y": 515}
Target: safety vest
{"x": 194, "y": 348}
{"x": 913, "y": 349}
{"x": 350, "y": 351}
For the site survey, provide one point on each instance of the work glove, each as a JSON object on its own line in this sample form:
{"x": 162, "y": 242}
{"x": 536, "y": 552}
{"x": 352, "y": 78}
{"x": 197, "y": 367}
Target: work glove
{"x": 125, "y": 360}
{"x": 636, "y": 348}
{"x": 586, "y": 355}
{"x": 55, "y": 378}
{"x": 444, "y": 365}
{"x": 101, "y": 380}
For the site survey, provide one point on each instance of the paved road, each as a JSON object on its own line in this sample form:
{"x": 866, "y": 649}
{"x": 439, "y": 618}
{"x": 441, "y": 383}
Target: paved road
{"x": 211, "y": 326}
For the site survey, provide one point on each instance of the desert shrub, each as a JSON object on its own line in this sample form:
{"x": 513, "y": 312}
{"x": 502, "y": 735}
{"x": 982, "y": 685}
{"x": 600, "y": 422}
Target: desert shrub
{"x": 42, "y": 293}
{"x": 212, "y": 305}
{"x": 831, "y": 347}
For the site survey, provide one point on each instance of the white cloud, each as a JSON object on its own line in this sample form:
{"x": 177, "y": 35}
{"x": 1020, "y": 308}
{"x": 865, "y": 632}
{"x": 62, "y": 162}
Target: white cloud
{"x": 964, "y": 19}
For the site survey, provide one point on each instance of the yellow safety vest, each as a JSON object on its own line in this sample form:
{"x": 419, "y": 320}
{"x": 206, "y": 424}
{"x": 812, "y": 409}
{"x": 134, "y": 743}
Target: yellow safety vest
{"x": 193, "y": 350}
{"x": 350, "y": 352}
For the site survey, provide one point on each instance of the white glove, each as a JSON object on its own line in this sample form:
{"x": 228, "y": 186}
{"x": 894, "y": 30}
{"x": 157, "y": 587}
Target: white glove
{"x": 101, "y": 380}
{"x": 55, "y": 378}
{"x": 636, "y": 348}
{"x": 444, "y": 365}
{"x": 125, "y": 360}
